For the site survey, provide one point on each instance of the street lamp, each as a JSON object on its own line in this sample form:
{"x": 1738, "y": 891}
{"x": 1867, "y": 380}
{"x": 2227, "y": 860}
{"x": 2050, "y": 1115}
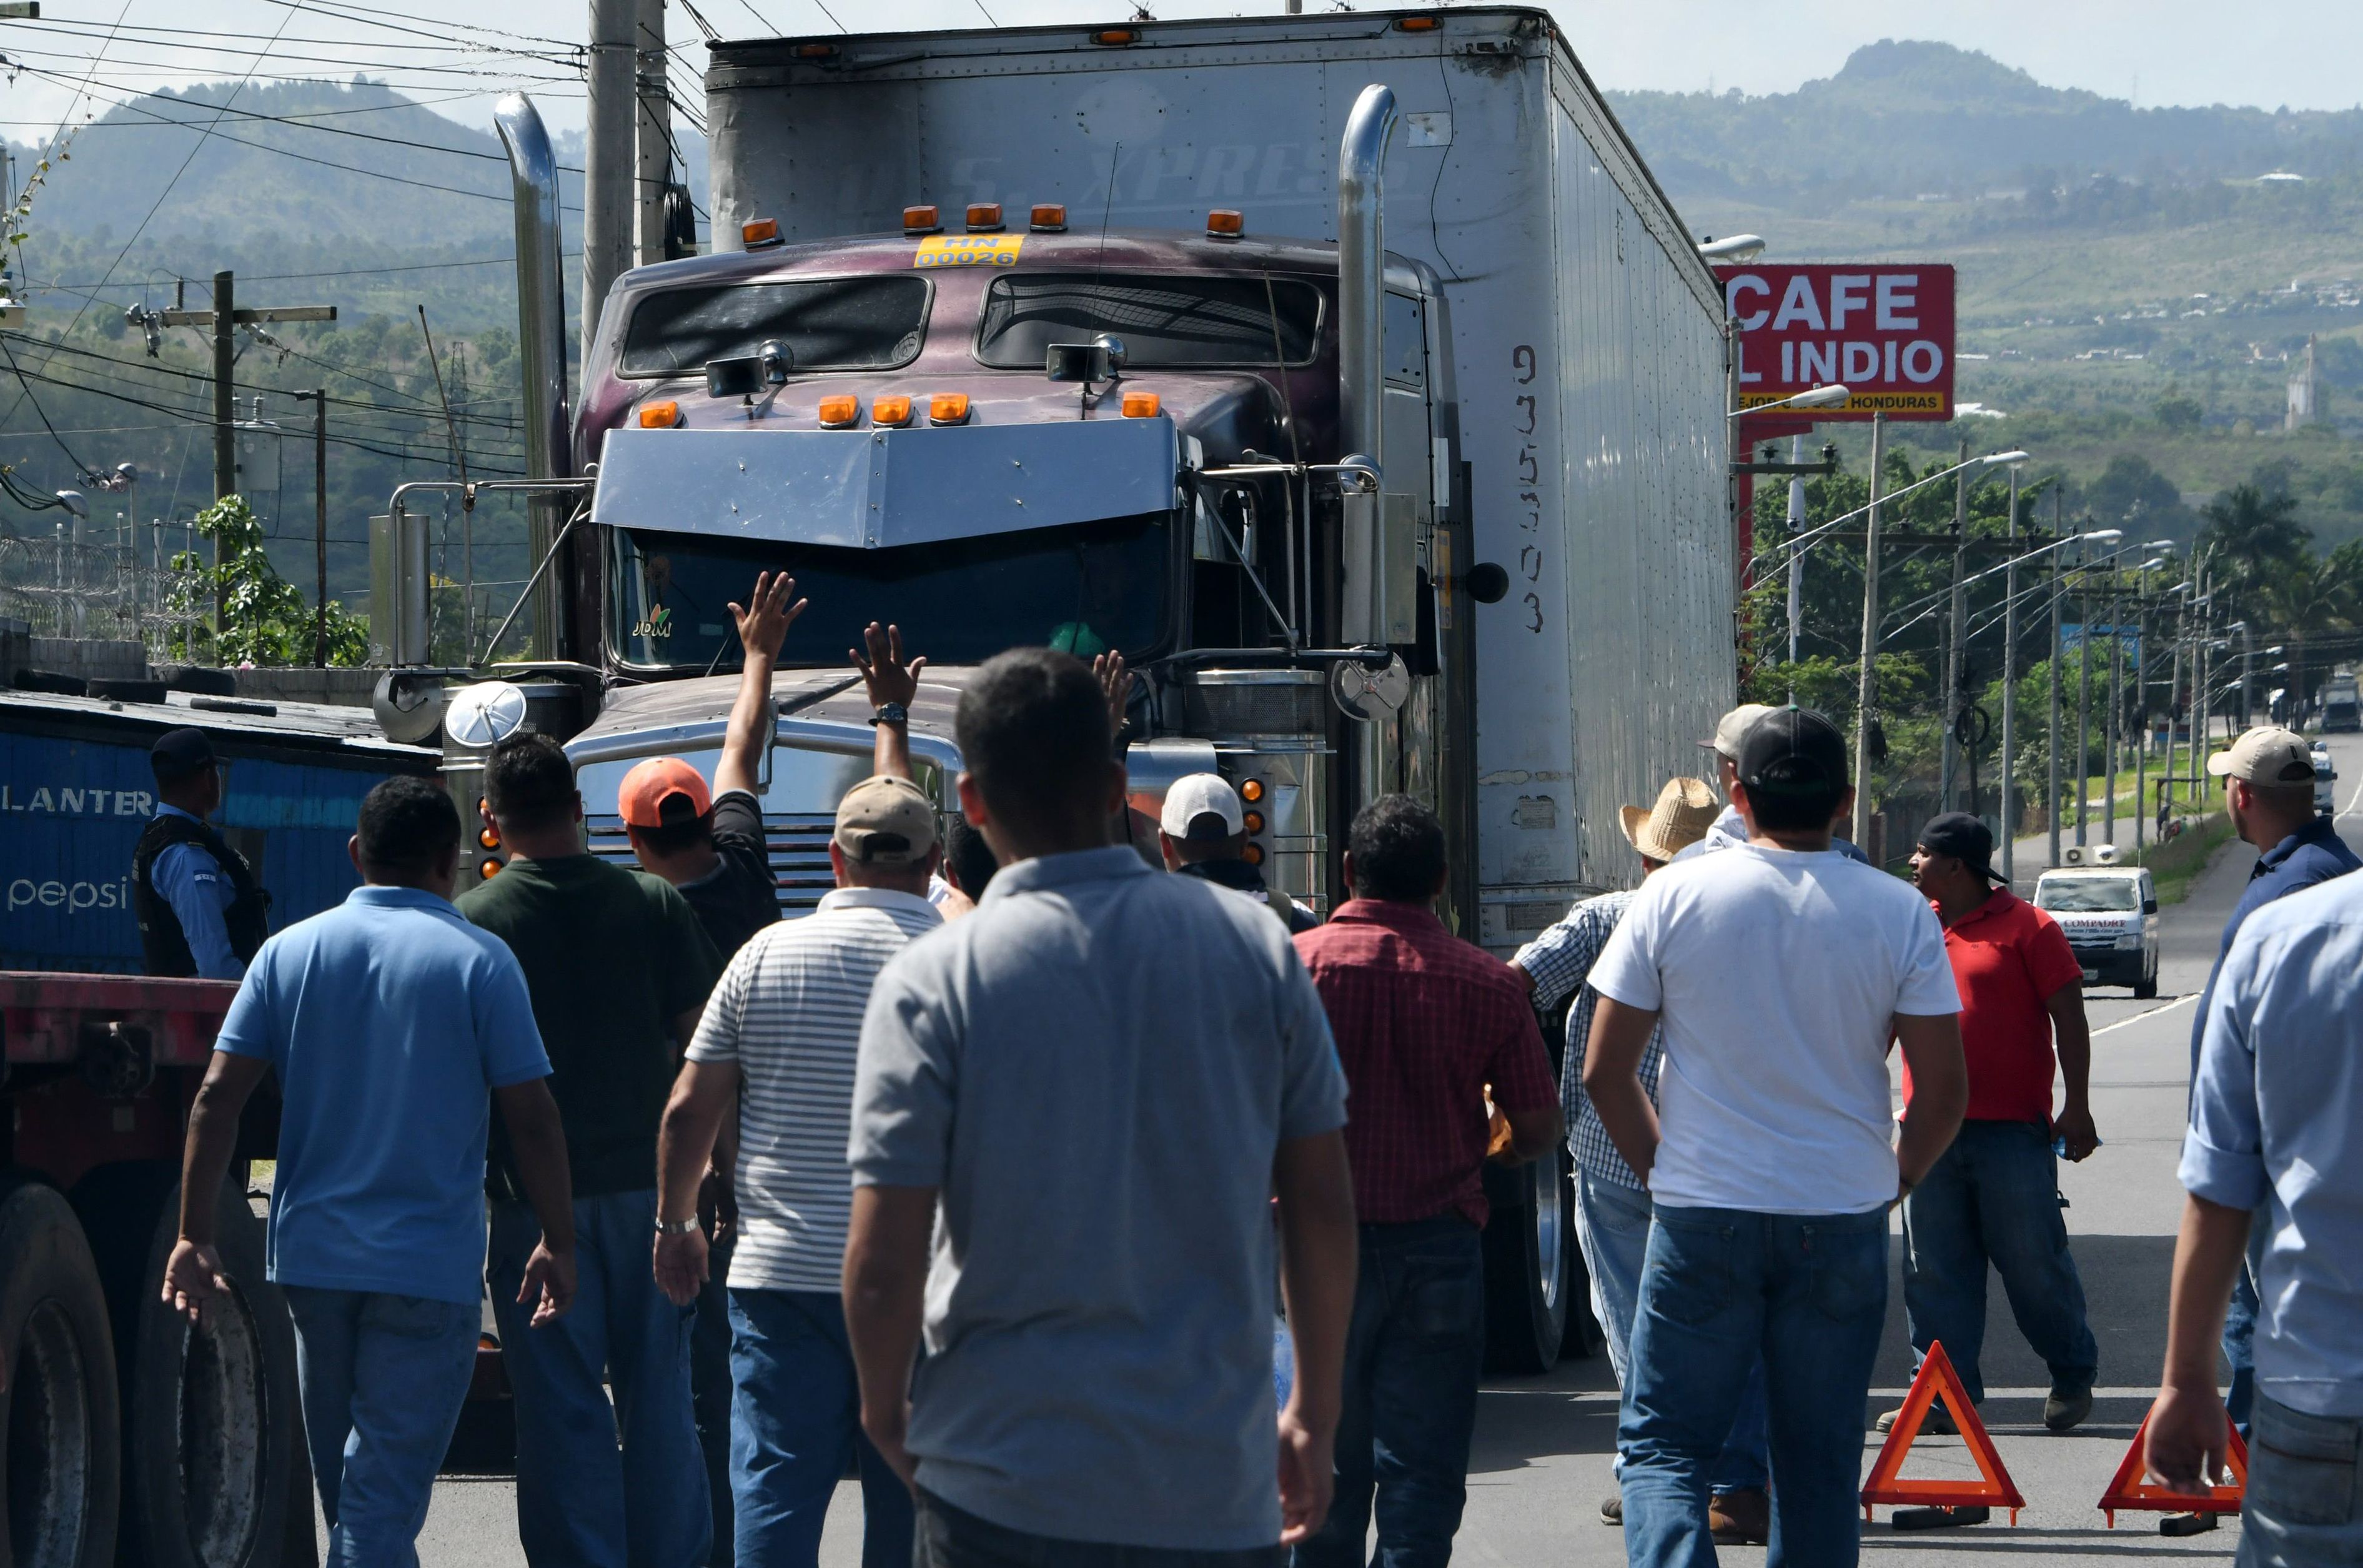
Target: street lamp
{"x": 1736, "y": 248}
{"x": 1797, "y": 541}
{"x": 1829, "y": 397}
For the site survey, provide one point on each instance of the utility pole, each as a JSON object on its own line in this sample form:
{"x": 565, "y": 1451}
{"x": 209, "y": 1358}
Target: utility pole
{"x": 1796, "y": 559}
{"x": 2248, "y": 692}
{"x": 607, "y": 158}
{"x": 2113, "y": 732}
{"x": 224, "y": 318}
{"x": 653, "y": 103}
{"x": 2083, "y": 699}
{"x": 2059, "y": 590}
{"x": 319, "y": 396}
{"x": 2010, "y": 687}
{"x": 1864, "y": 689}
{"x": 1956, "y": 635}
{"x": 2141, "y": 719}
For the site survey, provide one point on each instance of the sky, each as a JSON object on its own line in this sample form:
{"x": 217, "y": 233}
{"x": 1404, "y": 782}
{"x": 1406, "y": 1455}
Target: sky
{"x": 2295, "y": 52}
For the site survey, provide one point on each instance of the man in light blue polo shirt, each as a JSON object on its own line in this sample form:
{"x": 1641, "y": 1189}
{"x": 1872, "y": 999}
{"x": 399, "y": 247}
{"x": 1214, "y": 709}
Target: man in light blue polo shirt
{"x": 2273, "y": 1124}
{"x": 387, "y": 1020}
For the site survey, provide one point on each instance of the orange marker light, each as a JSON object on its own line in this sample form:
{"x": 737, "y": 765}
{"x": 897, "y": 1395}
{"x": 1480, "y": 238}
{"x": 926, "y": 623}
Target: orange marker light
{"x": 489, "y": 838}
{"x": 1252, "y": 854}
{"x": 1254, "y": 820}
{"x": 1116, "y": 37}
{"x": 984, "y": 217}
{"x": 1418, "y": 24}
{"x": 1141, "y": 405}
{"x": 889, "y": 410}
{"x": 1225, "y": 224}
{"x": 489, "y": 870}
{"x": 662, "y": 415}
{"x": 1050, "y": 218}
{"x": 1251, "y": 791}
{"x": 838, "y": 412}
{"x": 947, "y": 408}
{"x": 920, "y": 220}
{"x": 759, "y": 235}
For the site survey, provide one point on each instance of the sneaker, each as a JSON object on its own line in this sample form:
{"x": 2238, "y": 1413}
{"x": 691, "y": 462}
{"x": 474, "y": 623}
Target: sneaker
{"x": 1612, "y": 1509}
{"x": 1742, "y": 1517}
{"x": 2067, "y": 1407}
{"x": 1938, "y": 1420}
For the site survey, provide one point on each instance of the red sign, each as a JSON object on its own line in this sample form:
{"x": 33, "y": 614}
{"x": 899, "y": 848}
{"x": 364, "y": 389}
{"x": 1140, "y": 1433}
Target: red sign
{"x": 1885, "y": 332}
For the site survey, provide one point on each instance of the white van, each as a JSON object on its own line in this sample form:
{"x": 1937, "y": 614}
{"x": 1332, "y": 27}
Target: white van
{"x": 2326, "y": 782}
{"x": 2110, "y": 916}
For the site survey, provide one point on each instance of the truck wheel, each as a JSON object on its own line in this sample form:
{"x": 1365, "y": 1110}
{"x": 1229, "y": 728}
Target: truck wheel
{"x": 211, "y": 1463}
{"x": 59, "y": 1454}
{"x": 2146, "y": 987}
{"x": 1529, "y": 1240}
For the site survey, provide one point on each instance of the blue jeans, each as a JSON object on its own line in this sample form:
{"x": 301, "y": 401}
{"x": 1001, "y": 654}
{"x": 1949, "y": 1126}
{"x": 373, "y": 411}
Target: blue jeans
{"x": 709, "y": 1397}
{"x": 2240, "y": 1325}
{"x": 795, "y": 1419}
{"x": 2304, "y": 1499}
{"x": 1611, "y": 1229}
{"x": 1993, "y": 1197}
{"x": 1414, "y": 1352}
{"x": 383, "y": 1379}
{"x": 952, "y": 1538}
{"x": 602, "y": 1485}
{"x": 1721, "y": 1287}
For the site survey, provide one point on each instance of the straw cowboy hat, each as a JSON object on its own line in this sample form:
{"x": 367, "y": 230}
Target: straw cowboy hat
{"x": 1685, "y": 809}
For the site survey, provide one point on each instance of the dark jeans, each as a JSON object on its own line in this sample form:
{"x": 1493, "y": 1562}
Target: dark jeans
{"x": 1993, "y": 1197}
{"x": 795, "y": 1423}
{"x": 1412, "y": 1356}
{"x": 950, "y": 1538}
{"x": 709, "y": 1397}
{"x": 2240, "y": 1325}
{"x": 1720, "y": 1288}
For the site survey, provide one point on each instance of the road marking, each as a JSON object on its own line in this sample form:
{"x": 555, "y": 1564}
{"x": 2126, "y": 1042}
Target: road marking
{"x": 2351, "y": 801}
{"x": 2146, "y": 1013}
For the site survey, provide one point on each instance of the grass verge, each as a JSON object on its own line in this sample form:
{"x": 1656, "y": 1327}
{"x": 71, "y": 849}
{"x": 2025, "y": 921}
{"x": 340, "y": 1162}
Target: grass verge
{"x": 2175, "y": 866}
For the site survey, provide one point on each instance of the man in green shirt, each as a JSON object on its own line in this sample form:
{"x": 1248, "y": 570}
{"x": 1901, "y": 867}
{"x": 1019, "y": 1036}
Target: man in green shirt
{"x": 618, "y": 969}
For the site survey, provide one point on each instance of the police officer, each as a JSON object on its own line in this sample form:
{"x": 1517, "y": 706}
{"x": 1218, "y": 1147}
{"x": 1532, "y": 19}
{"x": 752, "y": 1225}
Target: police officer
{"x": 201, "y": 911}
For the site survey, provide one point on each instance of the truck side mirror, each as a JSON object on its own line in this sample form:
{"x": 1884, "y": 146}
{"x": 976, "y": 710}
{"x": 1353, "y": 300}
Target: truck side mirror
{"x": 1488, "y": 584}
{"x": 1079, "y": 362}
{"x": 739, "y": 377}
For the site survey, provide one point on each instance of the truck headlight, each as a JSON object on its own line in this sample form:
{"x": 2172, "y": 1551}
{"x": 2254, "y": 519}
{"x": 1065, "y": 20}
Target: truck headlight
{"x": 2130, "y": 942}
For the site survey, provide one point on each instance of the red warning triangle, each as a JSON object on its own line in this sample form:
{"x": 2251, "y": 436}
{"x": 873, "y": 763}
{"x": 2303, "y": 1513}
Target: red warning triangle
{"x": 1938, "y": 1380}
{"x": 2131, "y": 1488}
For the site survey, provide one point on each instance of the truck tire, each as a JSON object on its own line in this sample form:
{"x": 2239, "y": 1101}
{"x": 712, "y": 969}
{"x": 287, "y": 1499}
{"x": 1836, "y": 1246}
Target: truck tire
{"x": 60, "y": 1437}
{"x": 1529, "y": 1240}
{"x": 211, "y": 1459}
{"x": 2145, "y": 988}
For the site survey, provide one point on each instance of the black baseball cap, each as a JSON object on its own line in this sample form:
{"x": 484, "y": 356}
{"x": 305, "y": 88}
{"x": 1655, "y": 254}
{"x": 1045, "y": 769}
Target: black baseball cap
{"x": 178, "y": 754}
{"x": 1795, "y": 753}
{"x": 1963, "y": 836}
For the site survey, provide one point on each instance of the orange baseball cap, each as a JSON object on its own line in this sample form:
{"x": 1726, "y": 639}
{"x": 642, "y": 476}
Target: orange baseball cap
{"x": 663, "y": 792}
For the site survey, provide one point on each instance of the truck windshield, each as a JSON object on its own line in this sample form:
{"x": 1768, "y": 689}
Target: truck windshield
{"x": 2086, "y": 896}
{"x": 835, "y": 324}
{"x": 1088, "y": 589}
{"x": 1165, "y": 322}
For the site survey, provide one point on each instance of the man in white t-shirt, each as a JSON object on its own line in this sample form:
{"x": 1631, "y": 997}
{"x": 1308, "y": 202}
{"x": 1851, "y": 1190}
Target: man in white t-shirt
{"x": 1781, "y": 970}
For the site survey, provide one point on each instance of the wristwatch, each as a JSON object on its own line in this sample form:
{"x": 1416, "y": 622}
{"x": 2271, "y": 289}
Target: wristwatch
{"x": 891, "y": 713}
{"x": 676, "y": 1227}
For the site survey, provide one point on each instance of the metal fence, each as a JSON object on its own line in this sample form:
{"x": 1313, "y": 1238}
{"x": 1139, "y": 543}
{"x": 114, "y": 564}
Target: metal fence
{"x": 67, "y": 587}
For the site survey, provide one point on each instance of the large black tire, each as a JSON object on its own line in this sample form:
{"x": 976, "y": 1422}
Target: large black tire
{"x": 214, "y": 1472}
{"x": 2145, "y": 988}
{"x": 1529, "y": 1242}
{"x": 59, "y": 1441}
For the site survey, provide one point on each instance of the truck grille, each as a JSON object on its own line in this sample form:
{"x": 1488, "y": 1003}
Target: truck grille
{"x": 798, "y": 847}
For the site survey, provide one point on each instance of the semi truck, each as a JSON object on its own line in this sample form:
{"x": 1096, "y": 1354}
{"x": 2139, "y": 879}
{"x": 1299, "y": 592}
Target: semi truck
{"x": 1349, "y": 374}
{"x": 125, "y": 1435}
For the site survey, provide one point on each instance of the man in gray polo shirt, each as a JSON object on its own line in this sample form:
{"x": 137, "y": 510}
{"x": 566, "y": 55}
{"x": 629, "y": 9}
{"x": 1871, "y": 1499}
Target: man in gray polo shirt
{"x": 1104, "y": 1074}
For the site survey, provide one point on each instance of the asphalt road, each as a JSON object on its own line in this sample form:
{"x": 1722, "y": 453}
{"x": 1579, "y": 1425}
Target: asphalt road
{"x": 1541, "y": 1462}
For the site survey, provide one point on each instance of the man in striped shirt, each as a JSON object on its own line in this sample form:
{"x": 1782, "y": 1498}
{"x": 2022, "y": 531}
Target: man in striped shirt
{"x": 782, "y": 1029}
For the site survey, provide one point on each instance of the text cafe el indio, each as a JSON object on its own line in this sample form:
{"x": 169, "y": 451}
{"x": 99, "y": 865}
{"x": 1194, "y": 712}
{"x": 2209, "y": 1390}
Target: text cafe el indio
{"x": 1883, "y": 331}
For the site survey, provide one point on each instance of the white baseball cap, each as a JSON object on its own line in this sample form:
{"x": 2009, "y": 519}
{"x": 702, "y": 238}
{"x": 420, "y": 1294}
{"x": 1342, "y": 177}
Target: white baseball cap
{"x": 1194, "y": 796}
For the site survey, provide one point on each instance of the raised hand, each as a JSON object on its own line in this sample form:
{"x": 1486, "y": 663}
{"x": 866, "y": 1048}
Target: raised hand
{"x": 884, "y": 672}
{"x": 763, "y": 623}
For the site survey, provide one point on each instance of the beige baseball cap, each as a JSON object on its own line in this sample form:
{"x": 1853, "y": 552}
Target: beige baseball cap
{"x": 2265, "y": 755}
{"x": 886, "y": 821}
{"x": 1686, "y": 808}
{"x": 1733, "y": 727}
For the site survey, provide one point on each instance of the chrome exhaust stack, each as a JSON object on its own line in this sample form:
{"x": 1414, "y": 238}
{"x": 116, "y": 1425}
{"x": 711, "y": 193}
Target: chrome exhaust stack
{"x": 1367, "y": 614}
{"x": 541, "y": 341}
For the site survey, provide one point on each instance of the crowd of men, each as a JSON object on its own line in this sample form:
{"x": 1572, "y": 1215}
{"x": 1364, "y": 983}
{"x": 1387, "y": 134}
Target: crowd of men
{"x": 984, "y": 1179}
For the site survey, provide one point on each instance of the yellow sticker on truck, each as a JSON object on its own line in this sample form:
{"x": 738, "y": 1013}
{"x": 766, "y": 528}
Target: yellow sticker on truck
{"x": 968, "y": 250}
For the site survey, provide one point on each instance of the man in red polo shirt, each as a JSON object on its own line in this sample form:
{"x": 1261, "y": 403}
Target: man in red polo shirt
{"x": 1424, "y": 1022}
{"x": 1993, "y": 1196}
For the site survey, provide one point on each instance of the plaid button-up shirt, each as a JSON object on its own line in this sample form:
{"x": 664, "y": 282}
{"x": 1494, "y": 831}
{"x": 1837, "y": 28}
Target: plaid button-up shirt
{"x": 1423, "y": 1022}
{"x": 1559, "y": 961}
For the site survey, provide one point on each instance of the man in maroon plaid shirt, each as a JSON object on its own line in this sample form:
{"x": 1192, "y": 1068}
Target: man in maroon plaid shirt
{"x": 1423, "y": 1023}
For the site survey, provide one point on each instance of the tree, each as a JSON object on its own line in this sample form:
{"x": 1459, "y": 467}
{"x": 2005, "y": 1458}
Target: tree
{"x": 2254, "y": 536}
{"x": 2180, "y": 415}
{"x": 263, "y": 619}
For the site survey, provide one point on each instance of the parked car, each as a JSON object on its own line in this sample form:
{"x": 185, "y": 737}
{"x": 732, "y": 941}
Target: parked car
{"x": 2110, "y": 917}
